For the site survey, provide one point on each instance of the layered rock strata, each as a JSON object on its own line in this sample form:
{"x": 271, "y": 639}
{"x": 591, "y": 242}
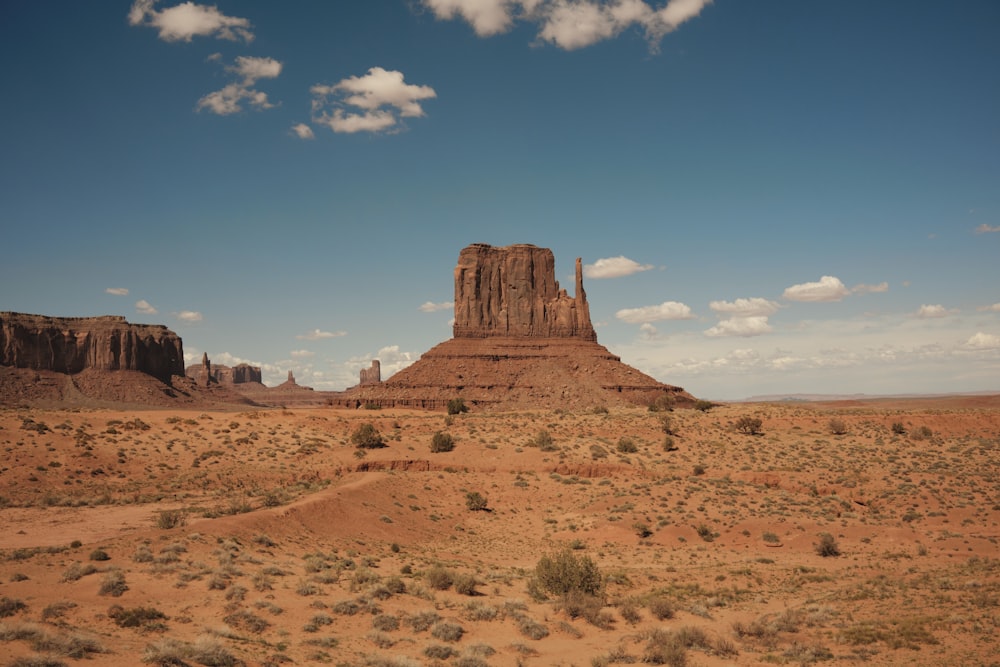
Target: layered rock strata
{"x": 520, "y": 342}
{"x": 73, "y": 344}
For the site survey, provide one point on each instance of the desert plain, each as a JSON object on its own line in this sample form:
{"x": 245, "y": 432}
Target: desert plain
{"x": 839, "y": 533}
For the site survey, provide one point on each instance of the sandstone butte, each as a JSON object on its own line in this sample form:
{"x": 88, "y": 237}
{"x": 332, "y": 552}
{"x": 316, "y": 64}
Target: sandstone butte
{"x": 519, "y": 342}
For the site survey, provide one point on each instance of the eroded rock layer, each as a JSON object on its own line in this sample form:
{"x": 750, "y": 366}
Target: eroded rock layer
{"x": 73, "y": 344}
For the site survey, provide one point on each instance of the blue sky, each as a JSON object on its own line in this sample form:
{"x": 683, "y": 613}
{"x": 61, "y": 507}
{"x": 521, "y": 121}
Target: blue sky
{"x": 768, "y": 197}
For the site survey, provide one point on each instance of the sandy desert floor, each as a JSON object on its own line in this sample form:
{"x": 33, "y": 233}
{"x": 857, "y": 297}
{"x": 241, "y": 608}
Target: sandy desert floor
{"x": 267, "y": 537}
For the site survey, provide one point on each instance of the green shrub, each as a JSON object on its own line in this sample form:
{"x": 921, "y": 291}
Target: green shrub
{"x": 543, "y": 440}
{"x": 442, "y": 442}
{"x": 476, "y": 501}
{"x": 749, "y": 425}
{"x": 366, "y": 436}
{"x": 627, "y": 445}
{"x": 562, "y": 572}
{"x": 898, "y": 428}
{"x": 703, "y": 406}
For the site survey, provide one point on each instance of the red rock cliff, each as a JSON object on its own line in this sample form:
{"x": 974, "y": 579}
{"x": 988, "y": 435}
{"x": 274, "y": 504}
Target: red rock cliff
{"x": 512, "y": 291}
{"x": 71, "y": 344}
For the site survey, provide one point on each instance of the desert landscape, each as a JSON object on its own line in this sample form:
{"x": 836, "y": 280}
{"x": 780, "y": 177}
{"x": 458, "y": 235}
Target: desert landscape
{"x": 842, "y": 533}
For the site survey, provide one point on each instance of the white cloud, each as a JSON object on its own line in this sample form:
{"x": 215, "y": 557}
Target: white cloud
{"x": 614, "y": 267}
{"x": 985, "y": 229}
{"x": 571, "y": 24}
{"x": 431, "y": 307}
{"x": 303, "y": 131}
{"x": 828, "y": 288}
{"x": 317, "y": 334}
{"x": 144, "y": 307}
{"x": 753, "y": 307}
{"x": 983, "y": 341}
{"x": 932, "y": 311}
{"x": 229, "y": 99}
{"x": 117, "y": 291}
{"x": 741, "y": 326}
{"x": 182, "y": 22}
{"x": 994, "y": 308}
{"x": 648, "y": 332}
{"x": 301, "y": 354}
{"x": 189, "y": 316}
{"x": 869, "y": 289}
{"x": 668, "y": 310}
{"x": 381, "y": 98}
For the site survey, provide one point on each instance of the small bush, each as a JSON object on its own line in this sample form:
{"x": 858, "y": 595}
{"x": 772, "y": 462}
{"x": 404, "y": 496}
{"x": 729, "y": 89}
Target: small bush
{"x": 136, "y": 617}
{"x": 749, "y": 425}
{"x": 99, "y": 555}
{"x": 627, "y": 445}
{"x": 543, "y": 440}
{"x": 247, "y": 622}
{"x": 385, "y": 622}
{"x": 439, "y": 652}
{"x": 457, "y": 406}
{"x": 827, "y": 546}
{"x": 838, "y": 426}
{"x": 447, "y": 632}
{"x": 423, "y": 620}
{"x": 476, "y": 502}
{"x": 167, "y": 519}
{"x": 113, "y": 584}
{"x": 703, "y": 406}
{"x": 560, "y": 573}
{"x": 465, "y": 584}
{"x": 442, "y": 442}
{"x": 661, "y": 608}
{"x": 662, "y": 403}
{"x": 898, "y": 428}
{"x": 439, "y": 578}
{"x": 11, "y": 606}
{"x": 366, "y": 436}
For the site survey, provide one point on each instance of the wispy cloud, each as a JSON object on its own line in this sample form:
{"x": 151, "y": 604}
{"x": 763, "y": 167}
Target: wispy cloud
{"x": 301, "y": 354}
{"x": 117, "y": 291}
{"x": 571, "y": 24}
{"x": 829, "y": 288}
{"x": 230, "y": 99}
{"x": 752, "y": 307}
{"x": 188, "y": 316}
{"x": 870, "y": 289}
{"x": 303, "y": 131}
{"x": 317, "y": 334}
{"x": 668, "y": 310}
{"x": 380, "y": 99}
{"x": 431, "y": 307}
{"x": 144, "y": 307}
{"x": 182, "y": 22}
{"x": 614, "y": 267}
{"x": 933, "y": 311}
{"x": 995, "y": 308}
{"x": 983, "y": 341}
{"x": 986, "y": 229}
{"x": 745, "y": 327}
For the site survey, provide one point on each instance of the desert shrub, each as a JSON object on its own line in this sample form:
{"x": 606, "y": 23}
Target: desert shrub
{"x": 662, "y": 403}
{"x": 38, "y": 661}
{"x": 346, "y": 608}
{"x": 457, "y": 406}
{"x": 560, "y": 573}
{"x": 661, "y": 607}
{"x": 705, "y": 532}
{"x": 439, "y": 578}
{"x": 113, "y": 584}
{"x": 77, "y": 571}
{"x": 470, "y": 661}
{"x": 366, "y": 436}
{"x": 838, "y": 426}
{"x": 442, "y": 442}
{"x": 703, "y": 406}
{"x": 531, "y": 629}
{"x": 11, "y": 606}
{"x": 247, "y": 622}
{"x": 465, "y": 584}
{"x": 921, "y": 433}
{"x": 827, "y": 546}
{"x": 57, "y": 609}
{"x": 168, "y": 519}
{"x": 667, "y": 425}
{"x": 543, "y": 440}
{"x": 626, "y": 445}
{"x": 439, "y": 651}
{"x": 629, "y": 612}
{"x": 136, "y": 617}
{"x": 99, "y": 555}
{"x": 898, "y": 428}
{"x": 577, "y": 604}
{"x": 668, "y": 444}
{"x": 642, "y": 529}
{"x": 423, "y": 620}
{"x": 204, "y": 651}
{"x": 385, "y": 622}
{"x": 665, "y": 648}
{"x": 447, "y": 632}
{"x": 771, "y": 538}
{"x": 699, "y": 469}
{"x": 476, "y": 501}
{"x": 749, "y": 425}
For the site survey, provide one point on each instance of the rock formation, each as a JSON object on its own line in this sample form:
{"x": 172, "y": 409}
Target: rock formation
{"x": 512, "y": 292}
{"x": 372, "y": 375}
{"x": 207, "y": 372}
{"x": 519, "y": 342}
{"x": 73, "y": 344}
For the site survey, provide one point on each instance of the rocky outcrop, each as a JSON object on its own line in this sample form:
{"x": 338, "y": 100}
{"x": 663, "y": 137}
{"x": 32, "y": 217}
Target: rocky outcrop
{"x": 512, "y": 292}
{"x": 73, "y": 344}
{"x": 520, "y": 343}
{"x": 371, "y": 375}
{"x": 245, "y": 373}
{"x": 206, "y": 373}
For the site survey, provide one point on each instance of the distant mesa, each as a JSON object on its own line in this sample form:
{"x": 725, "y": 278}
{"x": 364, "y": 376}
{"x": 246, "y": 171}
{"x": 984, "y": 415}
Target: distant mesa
{"x": 74, "y": 344}
{"x": 206, "y": 373}
{"x": 520, "y": 342}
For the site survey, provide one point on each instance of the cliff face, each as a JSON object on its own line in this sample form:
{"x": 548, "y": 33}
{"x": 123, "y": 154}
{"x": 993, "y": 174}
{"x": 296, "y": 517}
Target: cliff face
{"x": 512, "y": 292}
{"x": 72, "y": 344}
